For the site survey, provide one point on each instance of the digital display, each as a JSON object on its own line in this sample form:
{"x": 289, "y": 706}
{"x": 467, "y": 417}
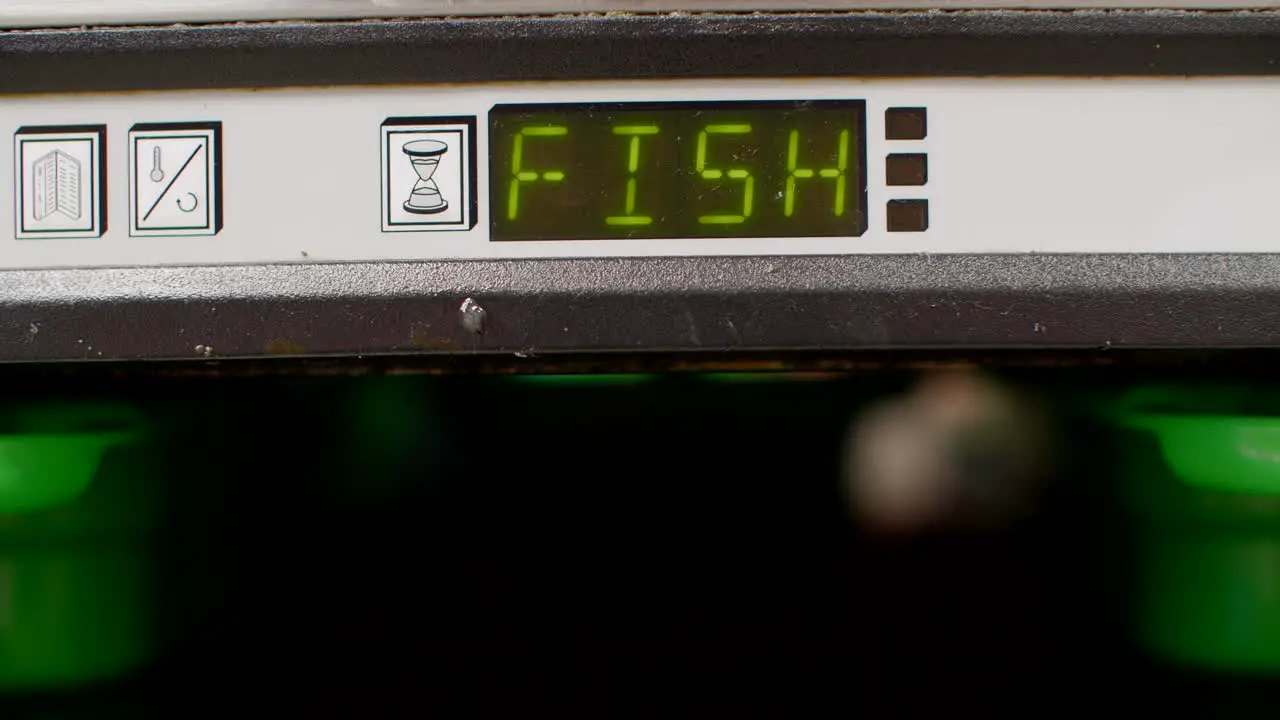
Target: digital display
{"x": 678, "y": 170}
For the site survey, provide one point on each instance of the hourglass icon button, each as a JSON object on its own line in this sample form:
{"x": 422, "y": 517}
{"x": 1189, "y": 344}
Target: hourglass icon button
{"x": 429, "y": 174}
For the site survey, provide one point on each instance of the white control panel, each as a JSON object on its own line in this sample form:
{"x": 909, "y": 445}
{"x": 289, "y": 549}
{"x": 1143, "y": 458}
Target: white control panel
{"x": 420, "y": 173}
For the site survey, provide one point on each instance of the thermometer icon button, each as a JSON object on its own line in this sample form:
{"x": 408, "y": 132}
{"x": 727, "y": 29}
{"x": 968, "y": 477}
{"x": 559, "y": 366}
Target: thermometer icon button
{"x": 175, "y": 186}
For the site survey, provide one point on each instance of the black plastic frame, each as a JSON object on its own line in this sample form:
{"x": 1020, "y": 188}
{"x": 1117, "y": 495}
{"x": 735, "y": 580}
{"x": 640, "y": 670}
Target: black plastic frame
{"x": 880, "y": 44}
{"x": 541, "y": 307}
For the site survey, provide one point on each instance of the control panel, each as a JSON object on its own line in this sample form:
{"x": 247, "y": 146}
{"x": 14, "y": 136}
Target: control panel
{"x": 641, "y": 169}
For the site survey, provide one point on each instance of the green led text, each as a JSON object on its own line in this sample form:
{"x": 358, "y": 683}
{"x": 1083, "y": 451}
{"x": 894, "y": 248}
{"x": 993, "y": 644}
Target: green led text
{"x": 837, "y": 173}
{"x": 633, "y": 164}
{"x": 748, "y": 182}
{"x": 520, "y": 175}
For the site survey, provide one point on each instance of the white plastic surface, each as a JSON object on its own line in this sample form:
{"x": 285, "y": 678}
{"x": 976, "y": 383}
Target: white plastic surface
{"x": 1026, "y": 165}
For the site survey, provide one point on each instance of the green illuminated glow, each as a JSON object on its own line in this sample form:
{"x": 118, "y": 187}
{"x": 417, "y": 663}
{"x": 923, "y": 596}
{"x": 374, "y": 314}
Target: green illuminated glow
{"x": 623, "y": 220}
{"x": 748, "y": 377}
{"x": 633, "y": 165}
{"x": 519, "y": 174}
{"x": 837, "y": 173}
{"x": 748, "y": 182}
{"x": 635, "y": 130}
{"x": 584, "y": 380}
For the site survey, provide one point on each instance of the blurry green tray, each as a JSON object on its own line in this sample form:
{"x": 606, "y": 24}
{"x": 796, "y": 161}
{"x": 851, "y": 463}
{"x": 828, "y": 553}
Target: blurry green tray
{"x": 1207, "y": 506}
{"x": 1217, "y": 438}
{"x": 76, "y": 576}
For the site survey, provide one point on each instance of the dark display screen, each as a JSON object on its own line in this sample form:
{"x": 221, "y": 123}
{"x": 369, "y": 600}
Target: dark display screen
{"x": 678, "y": 170}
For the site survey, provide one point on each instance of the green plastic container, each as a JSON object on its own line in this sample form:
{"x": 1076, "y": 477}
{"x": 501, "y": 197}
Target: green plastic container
{"x": 1201, "y": 472}
{"x": 78, "y": 505}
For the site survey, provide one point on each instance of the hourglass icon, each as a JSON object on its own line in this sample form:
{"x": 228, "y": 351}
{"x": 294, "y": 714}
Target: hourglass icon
{"x": 428, "y": 174}
{"x": 425, "y": 156}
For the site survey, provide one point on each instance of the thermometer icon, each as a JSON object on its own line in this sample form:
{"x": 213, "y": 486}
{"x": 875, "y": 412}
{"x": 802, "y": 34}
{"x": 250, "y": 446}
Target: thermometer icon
{"x": 157, "y": 173}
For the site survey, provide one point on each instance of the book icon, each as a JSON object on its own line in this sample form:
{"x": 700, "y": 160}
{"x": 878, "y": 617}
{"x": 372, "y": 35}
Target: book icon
{"x": 60, "y": 179}
{"x": 57, "y": 185}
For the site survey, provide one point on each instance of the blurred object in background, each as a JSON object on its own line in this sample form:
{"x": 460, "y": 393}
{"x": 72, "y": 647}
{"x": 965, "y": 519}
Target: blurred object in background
{"x": 79, "y": 504}
{"x": 959, "y": 450}
{"x": 391, "y": 436}
{"x": 1200, "y": 468}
